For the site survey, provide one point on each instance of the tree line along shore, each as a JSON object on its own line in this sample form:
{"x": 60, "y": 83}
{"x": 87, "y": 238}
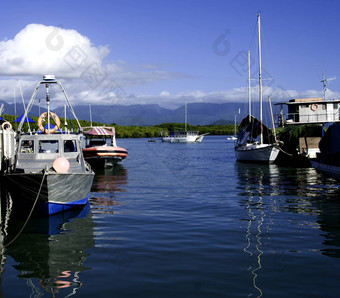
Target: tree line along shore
{"x": 132, "y": 131}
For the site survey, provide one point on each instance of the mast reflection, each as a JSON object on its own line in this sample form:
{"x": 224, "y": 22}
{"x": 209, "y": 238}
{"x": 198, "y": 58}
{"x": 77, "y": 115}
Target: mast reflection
{"x": 256, "y": 182}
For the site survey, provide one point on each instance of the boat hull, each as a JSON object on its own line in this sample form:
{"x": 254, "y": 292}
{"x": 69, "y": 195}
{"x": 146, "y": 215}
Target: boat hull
{"x": 183, "y": 139}
{"x": 59, "y": 192}
{"x": 330, "y": 170}
{"x": 105, "y": 156}
{"x": 257, "y": 153}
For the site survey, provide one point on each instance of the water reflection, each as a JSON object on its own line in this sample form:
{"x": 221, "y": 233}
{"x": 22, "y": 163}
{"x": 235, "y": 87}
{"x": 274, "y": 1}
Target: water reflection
{"x": 106, "y": 183}
{"x": 50, "y": 253}
{"x": 255, "y": 183}
{"x": 267, "y": 192}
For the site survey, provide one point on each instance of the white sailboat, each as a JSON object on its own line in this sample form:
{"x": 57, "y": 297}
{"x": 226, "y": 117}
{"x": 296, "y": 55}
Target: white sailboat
{"x": 255, "y": 141}
{"x": 234, "y": 137}
{"x": 183, "y": 136}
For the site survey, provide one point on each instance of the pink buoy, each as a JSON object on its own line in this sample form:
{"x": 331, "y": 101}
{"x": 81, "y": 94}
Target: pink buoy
{"x": 61, "y": 165}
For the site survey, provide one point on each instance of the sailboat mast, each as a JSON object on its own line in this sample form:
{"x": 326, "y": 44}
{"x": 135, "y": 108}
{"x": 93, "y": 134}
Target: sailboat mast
{"x": 260, "y": 73}
{"x": 249, "y": 92}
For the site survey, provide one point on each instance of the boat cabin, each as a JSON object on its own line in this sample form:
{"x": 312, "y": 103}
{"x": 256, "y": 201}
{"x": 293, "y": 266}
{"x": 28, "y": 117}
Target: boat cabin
{"x": 308, "y": 111}
{"x": 99, "y": 136}
{"x": 37, "y": 152}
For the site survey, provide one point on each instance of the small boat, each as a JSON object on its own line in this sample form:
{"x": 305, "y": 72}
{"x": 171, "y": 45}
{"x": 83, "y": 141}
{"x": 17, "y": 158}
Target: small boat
{"x": 328, "y": 160}
{"x": 50, "y": 174}
{"x": 255, "y": 142}
{"x": 249, "y": 149}
{"x": 101, "y": 148}
{"x": 183, "y": 136}
{"x": 233, "y": 137}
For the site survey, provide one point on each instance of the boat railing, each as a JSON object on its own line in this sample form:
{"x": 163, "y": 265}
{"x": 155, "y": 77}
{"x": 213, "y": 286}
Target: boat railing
{"x": 297, "y": 118}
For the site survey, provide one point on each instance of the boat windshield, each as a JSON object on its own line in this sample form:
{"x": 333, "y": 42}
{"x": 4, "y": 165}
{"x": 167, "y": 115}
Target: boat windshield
{"x": 27, "y": 146}
{"x": 48, "y": 146}
{"x": 70, "y": 146}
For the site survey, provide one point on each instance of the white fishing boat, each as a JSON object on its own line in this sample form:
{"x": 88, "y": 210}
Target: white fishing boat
{"x": 253, "y": 145}
{"x": 183, "y": 136}
{"x": 50, "y": 174}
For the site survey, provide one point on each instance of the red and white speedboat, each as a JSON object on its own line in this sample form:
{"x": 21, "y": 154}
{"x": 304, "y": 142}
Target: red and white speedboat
{"x": 101, "y": 149}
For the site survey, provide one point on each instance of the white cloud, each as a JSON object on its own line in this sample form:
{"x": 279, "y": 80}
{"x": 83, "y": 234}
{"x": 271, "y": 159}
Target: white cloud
{"x": 40, "y": 49}
{"x": 165, "y": 93}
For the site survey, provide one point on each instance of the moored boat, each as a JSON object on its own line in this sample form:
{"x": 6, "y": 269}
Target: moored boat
{"x": 183, "y": 136}
{"x": 249, "y": 149}
{"x": 101, "y": 148}
{"x": 50, "y": 173}
{"x": 255, "y": 142}
{"x": 328, "y": 159}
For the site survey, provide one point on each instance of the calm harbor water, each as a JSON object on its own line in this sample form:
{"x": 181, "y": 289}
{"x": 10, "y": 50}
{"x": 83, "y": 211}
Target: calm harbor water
{"x": 185, "y": 220}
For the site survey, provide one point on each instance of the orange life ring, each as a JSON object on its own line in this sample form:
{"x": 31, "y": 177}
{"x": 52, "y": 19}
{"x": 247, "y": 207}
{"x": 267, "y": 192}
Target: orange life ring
{"x": 314, "y": 106}
{"x": 56, "y": 121}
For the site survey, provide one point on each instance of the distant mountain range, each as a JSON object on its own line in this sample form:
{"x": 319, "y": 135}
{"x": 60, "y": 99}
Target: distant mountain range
{"x": 144, "y": 115}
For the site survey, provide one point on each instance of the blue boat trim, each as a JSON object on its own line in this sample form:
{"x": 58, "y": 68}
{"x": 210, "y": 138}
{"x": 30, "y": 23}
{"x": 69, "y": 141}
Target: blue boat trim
{"x": 52, "y": 208}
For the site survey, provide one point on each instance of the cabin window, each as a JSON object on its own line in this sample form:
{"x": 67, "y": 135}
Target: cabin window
{"x": 49, "y": 146}
{"x": 27, "y": 146}
{"x": 335, "y": 106}
{"x": 70, "y": 146}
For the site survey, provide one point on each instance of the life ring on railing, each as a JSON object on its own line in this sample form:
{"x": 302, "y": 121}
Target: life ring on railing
{"x": 314, "y": 107}
{"x": 56, "y": 121}
{"x": 6, "y": 125}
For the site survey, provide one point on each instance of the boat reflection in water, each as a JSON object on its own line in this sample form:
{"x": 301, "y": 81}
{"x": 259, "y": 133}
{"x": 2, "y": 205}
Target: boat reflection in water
{"x": 309, "y": 229}
{"x": 50, "y": 253}
{"x": 255, "y": 181}
{"x": 106, "y": 183}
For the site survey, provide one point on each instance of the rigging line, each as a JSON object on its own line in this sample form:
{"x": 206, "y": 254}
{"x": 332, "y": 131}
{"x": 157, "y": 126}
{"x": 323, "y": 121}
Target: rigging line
{"x": 266, "y": 54}
{"x": 29, "y": 216}
{"x": 254, "y": 36}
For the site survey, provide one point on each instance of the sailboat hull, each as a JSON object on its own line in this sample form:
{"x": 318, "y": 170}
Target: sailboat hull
{"x": 257, "y": 153}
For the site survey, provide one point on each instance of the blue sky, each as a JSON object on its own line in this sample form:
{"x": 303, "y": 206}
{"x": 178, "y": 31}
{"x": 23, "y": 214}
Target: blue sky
{"x": 164, "y": 51}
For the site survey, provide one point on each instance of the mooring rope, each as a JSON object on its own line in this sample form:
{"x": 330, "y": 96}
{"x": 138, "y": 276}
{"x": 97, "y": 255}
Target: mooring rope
{"x": 289, "y": 154}
{"x": 29, "y": 216}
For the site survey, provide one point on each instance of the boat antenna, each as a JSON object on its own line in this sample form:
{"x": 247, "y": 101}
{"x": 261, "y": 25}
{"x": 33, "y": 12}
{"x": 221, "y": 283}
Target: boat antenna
{"x": 65, "y": 123}
{"x": 260, "y": 73}
{"x": 90, "y": 114}
{"x": 49, "y": 79}
{"x": 48, "y": 107}
{"x": 324, "y": 81}
{"x": 249, "y": 90}
{"x": 185, "y": 115}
